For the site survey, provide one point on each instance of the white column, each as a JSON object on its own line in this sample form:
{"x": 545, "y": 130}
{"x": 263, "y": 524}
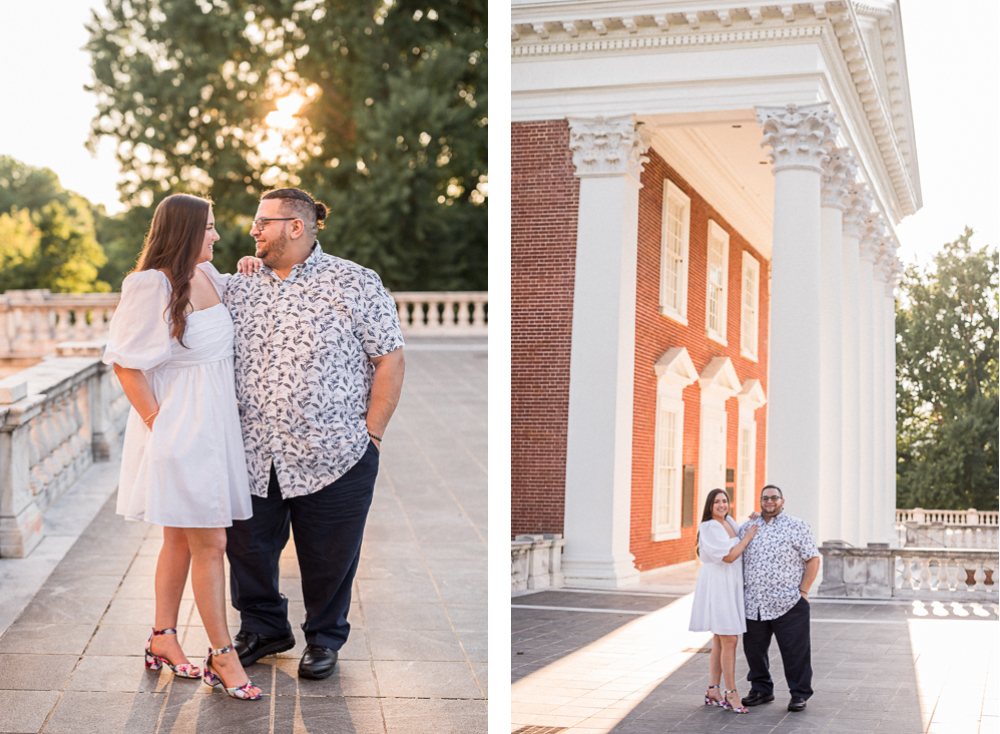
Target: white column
{"x": 877, "y": 368}
{"x": 799, "y": 138}
{"x": 896, "y": 274}
{"x": 608, "y": 157}
{"x": 858, "y": 203}
{"x": 838, "y": 171}
{"x": 868, "y": 251}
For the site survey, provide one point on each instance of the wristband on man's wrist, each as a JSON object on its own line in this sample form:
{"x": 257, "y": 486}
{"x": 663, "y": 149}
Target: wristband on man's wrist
{"x": 372, "y": 435}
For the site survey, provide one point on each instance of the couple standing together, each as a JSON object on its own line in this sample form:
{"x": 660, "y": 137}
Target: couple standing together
{"x": 258, "y": 405}
{"x": 755, "y": 581}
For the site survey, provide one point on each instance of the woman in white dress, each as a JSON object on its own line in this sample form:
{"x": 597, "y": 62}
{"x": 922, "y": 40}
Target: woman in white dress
{"x": 183, "y": 465}
{"x": 718, "y": 596}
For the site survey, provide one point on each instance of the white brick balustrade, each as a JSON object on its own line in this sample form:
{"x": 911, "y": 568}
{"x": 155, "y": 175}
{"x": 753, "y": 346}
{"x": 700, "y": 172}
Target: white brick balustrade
{"x": 536, "y": 562}
{"x": 947, "y": 517}
{"x": 56, "y": 418}
{"x": 455, "y": 313}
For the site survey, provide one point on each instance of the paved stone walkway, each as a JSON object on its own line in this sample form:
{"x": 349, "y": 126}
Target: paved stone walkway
{"x": 72, "y": 662}
{"x": 607, "y": 661}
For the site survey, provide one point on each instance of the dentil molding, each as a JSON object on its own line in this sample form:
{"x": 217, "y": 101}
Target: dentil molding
{"x": 607, "y": 146}
{"x": 800, "y": 136}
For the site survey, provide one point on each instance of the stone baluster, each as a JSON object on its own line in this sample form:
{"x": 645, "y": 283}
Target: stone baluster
{"x": 479, "y": 312}
{"x": 906, "y": 572}
{"x": 980, "y": 577}
{"x": 925, "y": 573}
{"x": 942, "y": 578}
{"x": 25, "y": 328}
{"x": 62, "y": 330}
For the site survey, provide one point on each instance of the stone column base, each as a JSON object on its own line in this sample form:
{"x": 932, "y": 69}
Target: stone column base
{"x": 599, "y": 574}
{"x": 19, "y": 535}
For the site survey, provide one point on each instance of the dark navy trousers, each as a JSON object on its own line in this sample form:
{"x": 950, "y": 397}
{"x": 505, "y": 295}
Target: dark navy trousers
{"x": 328, "y": 526}
{"x": 791, "y": 630}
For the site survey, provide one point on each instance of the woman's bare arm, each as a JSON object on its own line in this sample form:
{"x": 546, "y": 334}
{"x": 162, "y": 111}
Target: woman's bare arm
{"x": 738, "y": 549}
{"x": 138, "y": 392}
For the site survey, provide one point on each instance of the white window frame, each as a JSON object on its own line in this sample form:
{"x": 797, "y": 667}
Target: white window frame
{"x": 673, "y": 195}
{"x": 749, "y": 312}
{"x": 717, "y": 235}
{"x": 746, "y": 465}
{"x": 671, "y": 496}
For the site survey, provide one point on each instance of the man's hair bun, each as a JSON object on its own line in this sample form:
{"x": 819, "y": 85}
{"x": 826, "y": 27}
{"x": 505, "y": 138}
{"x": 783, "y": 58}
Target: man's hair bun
{"x": 320, "y": 211}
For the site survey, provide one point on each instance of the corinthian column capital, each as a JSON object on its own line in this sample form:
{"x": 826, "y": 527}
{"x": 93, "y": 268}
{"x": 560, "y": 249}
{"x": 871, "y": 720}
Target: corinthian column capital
{"x": 800, "y": 136}
{"x": 872, "y": 236}
{"x": 607, "y": 146}
{"x": 839, "y": 171}
{"x": 857, "y": 205}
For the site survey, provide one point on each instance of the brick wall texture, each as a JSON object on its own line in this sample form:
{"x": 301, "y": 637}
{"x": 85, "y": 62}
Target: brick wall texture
{"x": 544, "y": 202}
{"x": 655, "y": 334}
{"x": 545, "y": 199}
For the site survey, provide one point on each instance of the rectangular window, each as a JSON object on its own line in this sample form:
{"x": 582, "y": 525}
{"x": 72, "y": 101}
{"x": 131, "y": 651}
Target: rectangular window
{"x": 718, "y": 276}
{"x": 750, "y": 307}
{"x": 674, "y": 253}
{"x": 746, "y": 462}
{"x": 667, "y": 472}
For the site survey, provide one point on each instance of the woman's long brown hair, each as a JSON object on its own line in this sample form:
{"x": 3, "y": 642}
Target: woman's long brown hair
{"x": 172, "y": 246}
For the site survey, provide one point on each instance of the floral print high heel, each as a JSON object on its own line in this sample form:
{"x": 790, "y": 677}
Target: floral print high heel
{"x": 155, "y": 662}
{"x": 211, "y": 678}
{"x": 709, "y": 701}
{"x": 741, "y": 709}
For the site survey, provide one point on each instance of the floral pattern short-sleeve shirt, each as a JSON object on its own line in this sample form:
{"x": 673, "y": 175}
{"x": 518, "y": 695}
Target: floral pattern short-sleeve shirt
{"x": 303, "y": 368}
{"x": 774, "y": 563}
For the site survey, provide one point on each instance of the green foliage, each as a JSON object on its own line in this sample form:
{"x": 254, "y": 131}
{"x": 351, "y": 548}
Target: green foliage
{"x": 391, "y": 135}
{"x": 946, "y": 376}
{"x": 47, "y": 234}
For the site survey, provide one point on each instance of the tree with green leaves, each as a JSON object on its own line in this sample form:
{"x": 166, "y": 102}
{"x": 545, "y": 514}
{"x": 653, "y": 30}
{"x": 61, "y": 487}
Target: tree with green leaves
{"x": 946, "y": 381}
{"x": 377, "y": 108}
{"x": 47, "y": 234}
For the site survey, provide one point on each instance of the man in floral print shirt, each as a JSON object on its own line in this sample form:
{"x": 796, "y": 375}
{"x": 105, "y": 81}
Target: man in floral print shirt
{"x": 779, "y": 566}
{"x": 319, "y": 369}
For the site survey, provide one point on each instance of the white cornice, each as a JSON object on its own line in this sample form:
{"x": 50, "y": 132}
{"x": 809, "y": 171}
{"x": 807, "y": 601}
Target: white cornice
{"x": 592, "y": 29}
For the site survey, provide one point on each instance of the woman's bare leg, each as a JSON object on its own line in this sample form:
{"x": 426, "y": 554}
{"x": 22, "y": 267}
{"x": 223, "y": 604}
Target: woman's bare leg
{"x": 729, "y": 666}
{"x": 171, "y": 576}
{"x": 208, "y": 578}
{"x": 715, "y": 668}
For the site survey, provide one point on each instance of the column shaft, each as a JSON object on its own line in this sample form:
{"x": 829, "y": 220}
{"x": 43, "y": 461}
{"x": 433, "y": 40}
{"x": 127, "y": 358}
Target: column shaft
{"x": 851, "y": 409}
{"x": 890, "y": 416}
{"x": 599, "y": 435}
{"x": 878, "y": 411}
{"x": 831, "y": 374}
{"x": 866, "y": 392}
{"x": 793, "y": 457}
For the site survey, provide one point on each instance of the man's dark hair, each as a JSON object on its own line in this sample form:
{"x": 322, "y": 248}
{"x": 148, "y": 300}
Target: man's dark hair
{"x": 299, "y": 203}
{"x": 771, "y": 486}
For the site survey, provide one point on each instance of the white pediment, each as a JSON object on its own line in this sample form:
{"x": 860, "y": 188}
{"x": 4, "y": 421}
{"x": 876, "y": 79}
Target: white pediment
{"x": 675, "y": 368}
{"x": 718, "y": 379}
{"x": 751, "y": 396}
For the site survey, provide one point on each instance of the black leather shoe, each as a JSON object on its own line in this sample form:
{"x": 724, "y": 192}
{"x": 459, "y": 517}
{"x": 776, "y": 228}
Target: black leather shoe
{"x": 317, "y": 662}
{"x": 797, "y": 704}
{"x": 251, "y": 647}
{"x": 756, "y": 697}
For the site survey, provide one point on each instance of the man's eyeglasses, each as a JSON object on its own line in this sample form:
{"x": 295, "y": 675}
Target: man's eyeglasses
{"x": 261, "y": 223}
{"x": 770, "y": 498}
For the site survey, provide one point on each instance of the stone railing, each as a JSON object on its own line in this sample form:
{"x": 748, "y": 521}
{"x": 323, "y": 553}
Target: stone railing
{"x": 881, "y": 572}
{"x": 971, "y": 516}
{"x": 56, "y": 419}
{"x": 536, "y": 561}
{"x": 33, "y": 322}
{"x": 443, "y": 314}
{"x": 913, "y": 535}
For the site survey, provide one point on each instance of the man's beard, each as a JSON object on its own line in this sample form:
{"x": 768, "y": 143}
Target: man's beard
{"x": 275, "y": 250}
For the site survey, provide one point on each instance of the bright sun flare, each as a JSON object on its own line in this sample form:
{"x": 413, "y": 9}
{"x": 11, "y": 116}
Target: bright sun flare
{"x": 283, "y": 118}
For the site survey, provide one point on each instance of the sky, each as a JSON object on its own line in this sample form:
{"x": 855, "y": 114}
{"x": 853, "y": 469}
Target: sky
{"x": 952, "y": 60}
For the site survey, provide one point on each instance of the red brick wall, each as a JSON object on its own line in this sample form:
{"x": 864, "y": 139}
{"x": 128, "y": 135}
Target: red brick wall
{"x": 656, "y": 333}
{"x": 544, "y": 202}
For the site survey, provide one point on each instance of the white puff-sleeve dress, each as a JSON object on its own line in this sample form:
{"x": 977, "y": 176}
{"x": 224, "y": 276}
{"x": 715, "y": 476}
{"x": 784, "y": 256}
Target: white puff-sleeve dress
{"x": 190, "y": 470}
{"x": 718, "y": 594}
